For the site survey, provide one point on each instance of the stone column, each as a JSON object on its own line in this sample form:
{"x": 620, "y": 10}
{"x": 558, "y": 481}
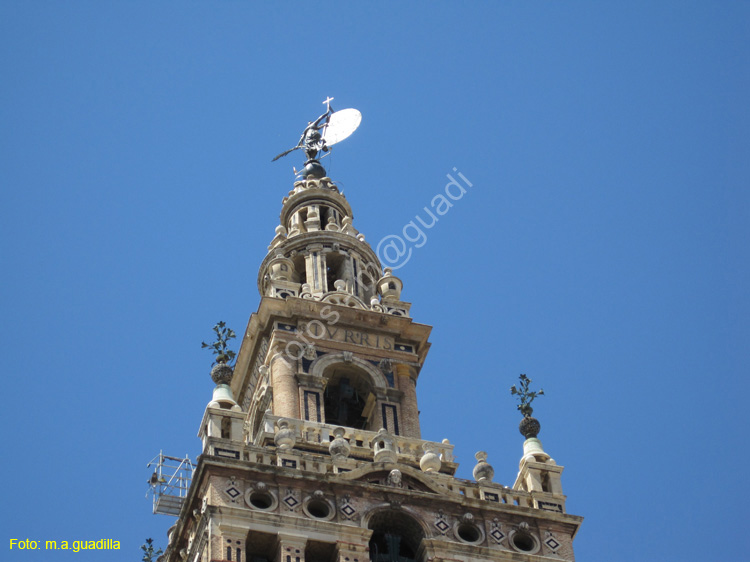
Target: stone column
{"x": 284, "y": 381}
{"x": 311, "y": 398}
{"x": 376, "y": 418}
{"x": 290, "y": 548}
{"x": 232, "y": 547}
{"x": 409, "y": 410}
{"x": 315, "y": 269}
{"x": 350, "y": 552}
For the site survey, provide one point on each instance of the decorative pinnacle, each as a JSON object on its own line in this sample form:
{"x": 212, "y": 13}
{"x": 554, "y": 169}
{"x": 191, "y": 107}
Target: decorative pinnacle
{"x": 220, "y": 347}
{"x": 525, "y": 396}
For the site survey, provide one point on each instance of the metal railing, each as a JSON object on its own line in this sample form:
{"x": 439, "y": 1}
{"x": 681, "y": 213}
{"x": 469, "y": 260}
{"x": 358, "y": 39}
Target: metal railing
{"x": 170, "y": 482}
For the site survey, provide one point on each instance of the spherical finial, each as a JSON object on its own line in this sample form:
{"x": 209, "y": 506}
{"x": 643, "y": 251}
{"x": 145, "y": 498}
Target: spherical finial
{"x": 221, "y": 373}
{"x": 529, "y": 427}
{"x": 313, "y": 170}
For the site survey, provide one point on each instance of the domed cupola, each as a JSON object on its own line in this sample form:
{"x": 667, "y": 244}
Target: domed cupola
{"x": 318, "y": 254}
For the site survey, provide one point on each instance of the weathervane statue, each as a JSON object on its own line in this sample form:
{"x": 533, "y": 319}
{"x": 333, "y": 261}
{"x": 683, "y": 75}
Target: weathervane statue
{"x": 319, "y": 135}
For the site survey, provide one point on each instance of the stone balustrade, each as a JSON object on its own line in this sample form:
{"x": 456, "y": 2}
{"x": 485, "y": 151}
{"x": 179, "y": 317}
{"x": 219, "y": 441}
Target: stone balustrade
{"x": 310, "y": 453}
{"x": 317, "y": 436}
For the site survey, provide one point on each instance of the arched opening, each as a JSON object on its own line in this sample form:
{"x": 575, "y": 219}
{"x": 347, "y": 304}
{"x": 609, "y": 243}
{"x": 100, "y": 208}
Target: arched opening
{"x": 260, "y": 547}
{"x": 316, "y": 551}
{"x": 300, "y": 269}
{"x": 348, "y": 397}
{"x": 326, "y": 214}
{"x": 396, "y": 537}
{"x": 335, "y": 269}
{"x": 366, "y": 281}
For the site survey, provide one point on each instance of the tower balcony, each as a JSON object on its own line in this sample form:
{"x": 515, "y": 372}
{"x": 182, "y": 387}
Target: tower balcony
{"x": 316, "y": 438}
{"x": 310, "y": 454}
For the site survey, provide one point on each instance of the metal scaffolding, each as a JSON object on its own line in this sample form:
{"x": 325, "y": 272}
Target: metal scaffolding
{"x": 169, "y": 483}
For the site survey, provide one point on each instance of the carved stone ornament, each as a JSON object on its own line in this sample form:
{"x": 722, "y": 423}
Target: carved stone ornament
{"x": 339, "y": 447}
{"x": 386, "y": 366}
{"x": 430, "y": 461}
{"x": 483, "y": 471}
{"x": 384, "y": 448}
{"x": 394, "y": 478}
{"x": 306, "y": 292}
{"x": 310, "y": 352}
{"x": 285, "y": 437}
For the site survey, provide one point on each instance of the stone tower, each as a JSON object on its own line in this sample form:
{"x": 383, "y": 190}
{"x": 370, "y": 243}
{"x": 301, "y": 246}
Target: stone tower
{"x": 311, "y": 448}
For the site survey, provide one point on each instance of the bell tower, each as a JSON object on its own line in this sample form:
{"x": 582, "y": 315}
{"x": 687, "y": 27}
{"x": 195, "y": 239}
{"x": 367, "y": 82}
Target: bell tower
{"x": 311, "y": 445}
{"x": 342, "y": 349}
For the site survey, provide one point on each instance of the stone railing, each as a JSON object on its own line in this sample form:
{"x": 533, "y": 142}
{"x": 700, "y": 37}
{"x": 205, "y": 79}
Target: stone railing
{"x": 317, "y": 436}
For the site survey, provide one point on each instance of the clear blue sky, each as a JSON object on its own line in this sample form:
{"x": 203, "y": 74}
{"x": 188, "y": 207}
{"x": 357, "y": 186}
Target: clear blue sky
{"x": 602, "y": 250}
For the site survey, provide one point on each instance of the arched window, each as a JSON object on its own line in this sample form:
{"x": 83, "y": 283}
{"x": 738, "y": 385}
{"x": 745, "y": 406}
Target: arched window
{"x": 300, "y": 269}
{"x": 335, "y": 269}
{"x": 396, "y": 537}
{"x": 348, "y": 397}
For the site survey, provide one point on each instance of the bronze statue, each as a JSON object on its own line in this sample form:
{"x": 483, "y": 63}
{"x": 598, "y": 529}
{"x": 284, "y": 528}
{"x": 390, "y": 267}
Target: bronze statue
{"x": 319, "y": 135}
{"x": 312, "y": 141}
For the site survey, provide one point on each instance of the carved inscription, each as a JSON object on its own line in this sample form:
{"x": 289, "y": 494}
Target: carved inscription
{"x": 318, "y": 330}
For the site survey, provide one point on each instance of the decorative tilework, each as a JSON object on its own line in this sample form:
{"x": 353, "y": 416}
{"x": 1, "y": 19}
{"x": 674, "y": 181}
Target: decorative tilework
{"x": 290, "y": 501}
{"x": 233, "y": 489}
{"x": 550, "y": 506}
{"x": 440, "y": 523}
{"x": 552, "y": 543}
{"x": 496, "y": 532}
{"x": 348, "y": 510}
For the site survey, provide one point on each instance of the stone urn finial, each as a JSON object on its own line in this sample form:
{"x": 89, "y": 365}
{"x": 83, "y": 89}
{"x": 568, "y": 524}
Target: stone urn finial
{"x": 430, "y": 461}
{"x": 286, "y": 436}
{"x": 483, "y": 471}
{"x": 529, "y": 426}
{"x": 339, "y": 447}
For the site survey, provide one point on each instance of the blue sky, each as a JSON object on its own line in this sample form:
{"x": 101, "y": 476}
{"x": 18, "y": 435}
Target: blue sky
{"x": 602, "y": 249}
